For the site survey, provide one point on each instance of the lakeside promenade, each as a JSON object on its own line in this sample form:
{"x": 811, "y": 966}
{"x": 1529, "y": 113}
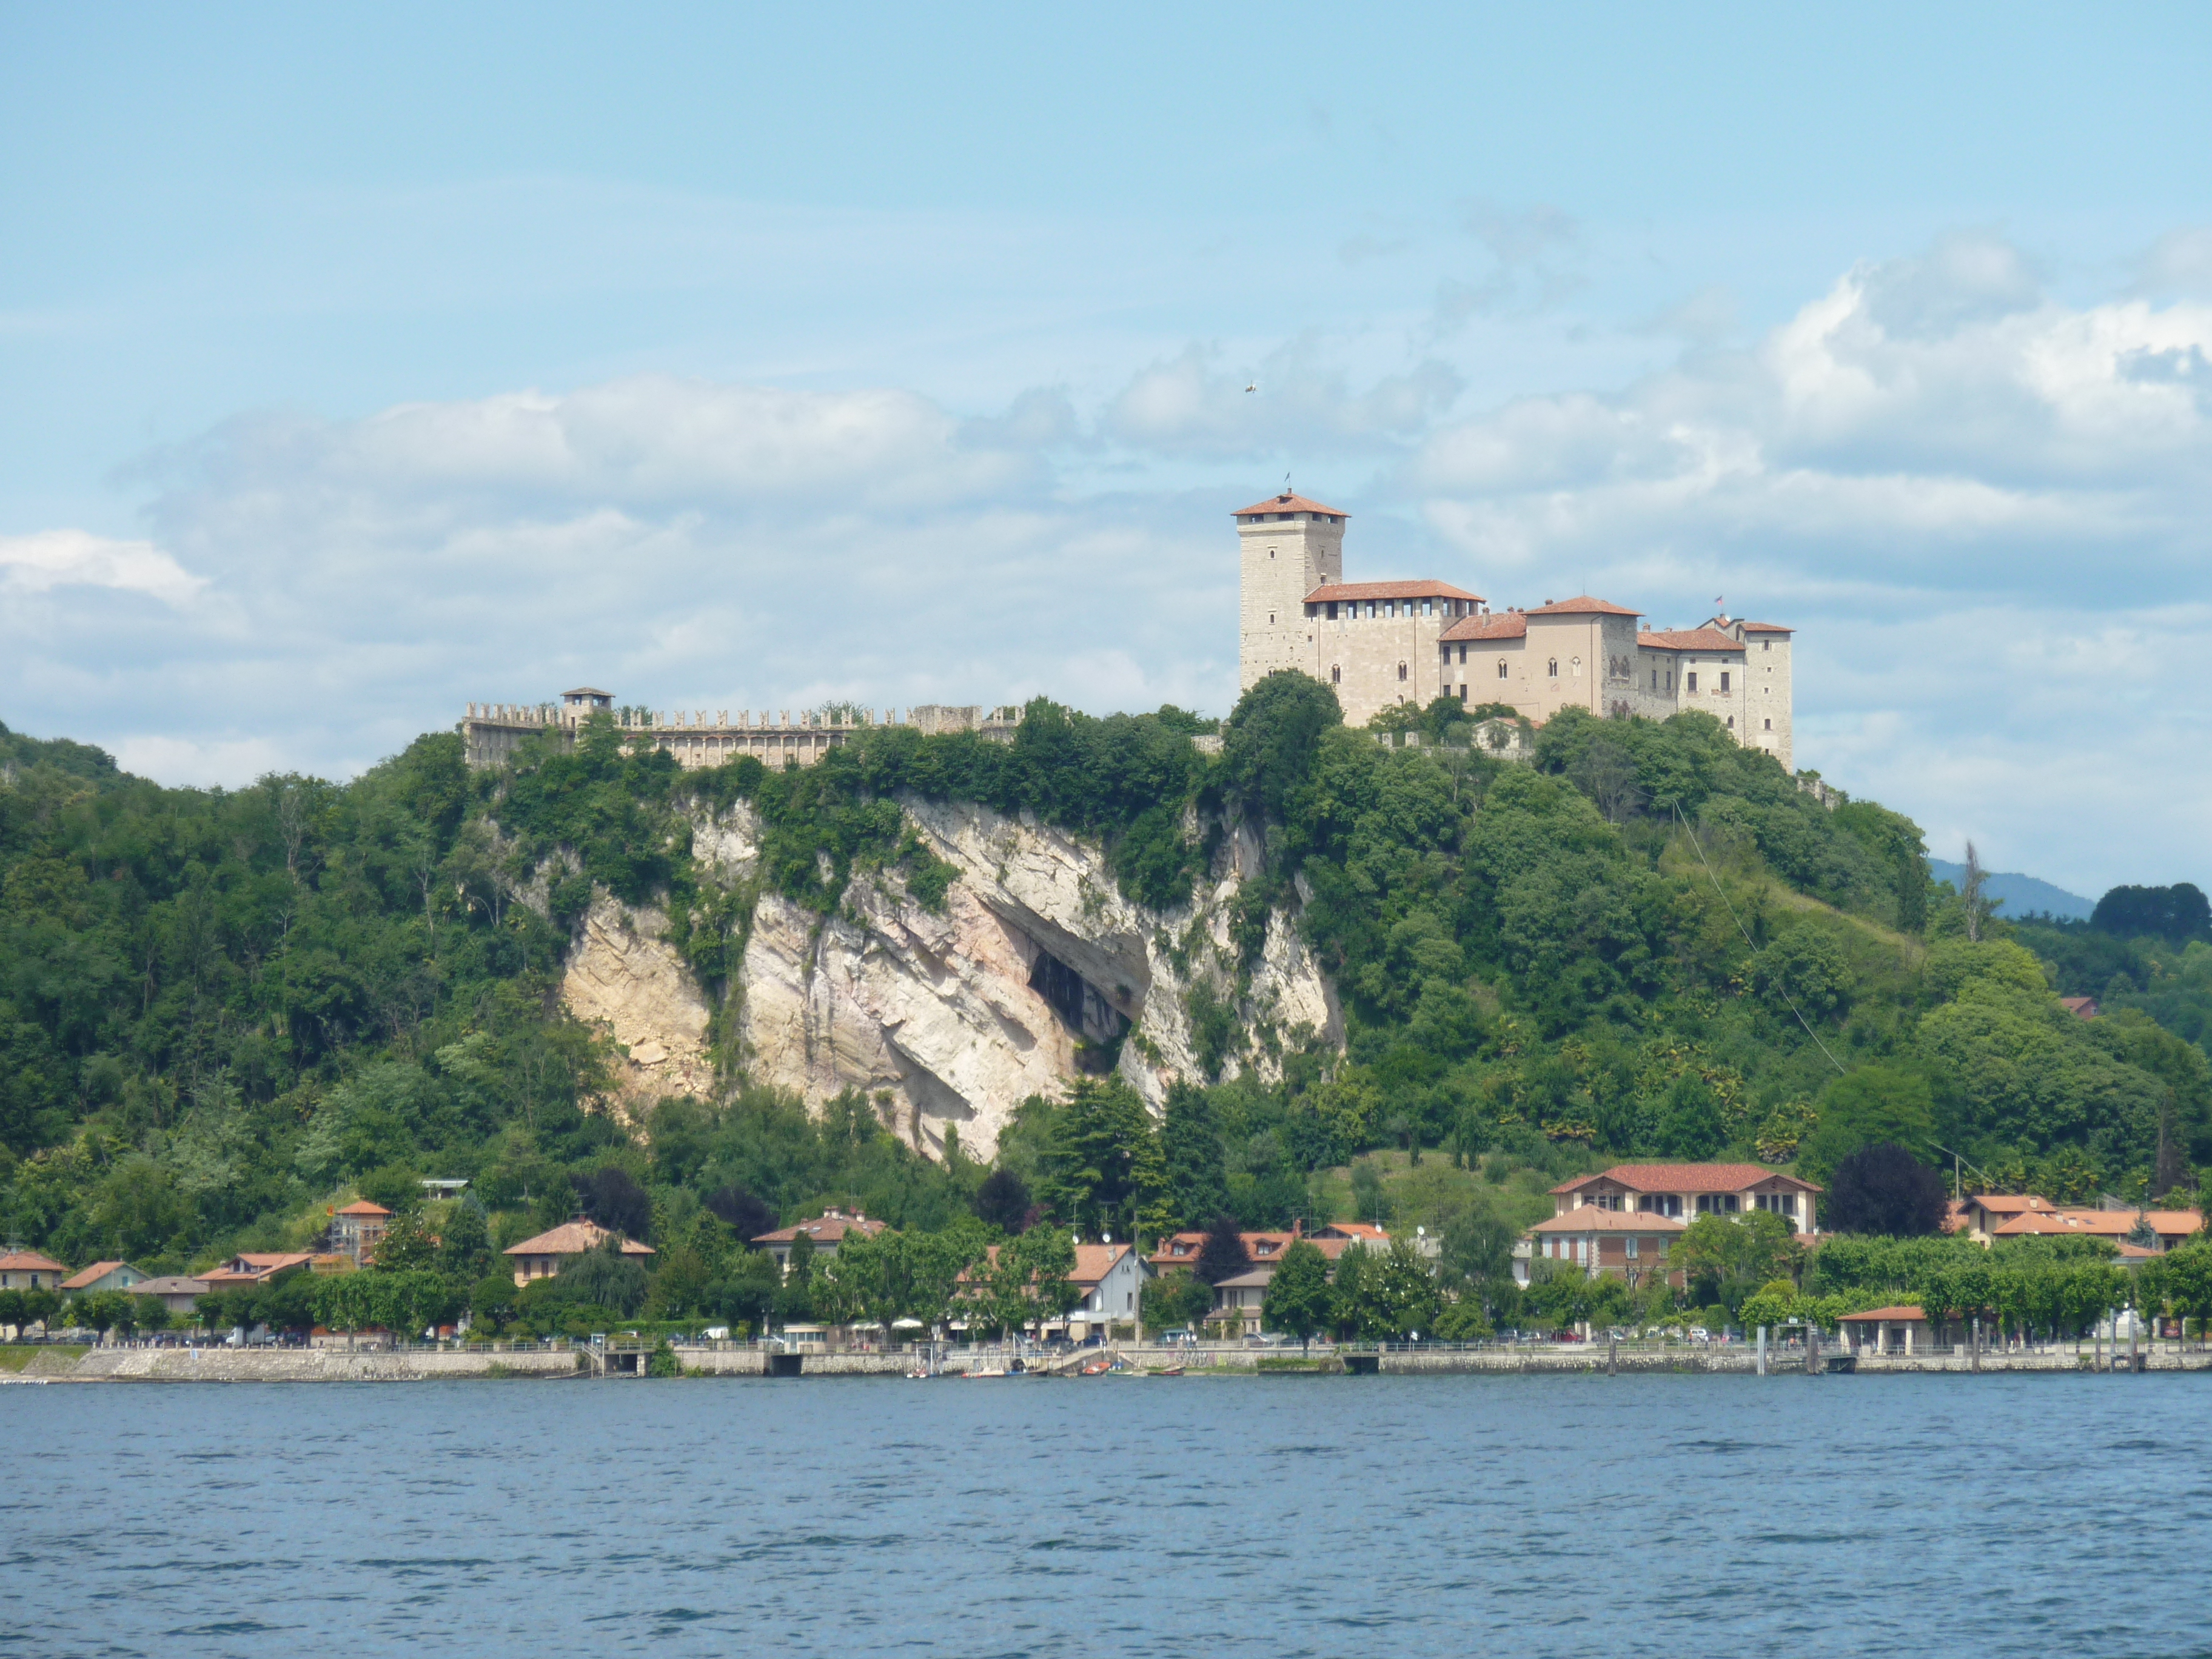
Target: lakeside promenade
{"x": 585, "y": 1361}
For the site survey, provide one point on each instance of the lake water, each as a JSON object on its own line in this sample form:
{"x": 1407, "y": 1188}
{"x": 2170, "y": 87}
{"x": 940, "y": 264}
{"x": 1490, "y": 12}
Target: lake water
{"x": 1198, "y": 1517}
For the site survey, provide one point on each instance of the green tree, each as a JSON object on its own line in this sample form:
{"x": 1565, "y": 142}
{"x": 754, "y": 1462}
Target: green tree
{"x": 1223, "y": 1255}
{"x": 1175, "y": 1299}
{"x": 407, "y": 1245}
{"x": 492, "y": 1299}
{"x": 1870, "y": 1105}
{"x": 1755, "y": 1248}
{"x": 1298, "y": 1299}
{"x": 1102, "y": 1171}
{"x": 795, "y": 1296}
{"x": 1190, "y": 1140}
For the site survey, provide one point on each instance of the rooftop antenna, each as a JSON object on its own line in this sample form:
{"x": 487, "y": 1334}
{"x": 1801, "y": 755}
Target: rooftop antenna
{"x": 1287, "y": 483}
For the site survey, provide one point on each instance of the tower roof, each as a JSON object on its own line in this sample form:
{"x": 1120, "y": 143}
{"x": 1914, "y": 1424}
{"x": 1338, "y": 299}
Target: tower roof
{"x": 1688, "y": 639}
{"x": 1289, "y": 503}
{"x": 1583, "y": 605}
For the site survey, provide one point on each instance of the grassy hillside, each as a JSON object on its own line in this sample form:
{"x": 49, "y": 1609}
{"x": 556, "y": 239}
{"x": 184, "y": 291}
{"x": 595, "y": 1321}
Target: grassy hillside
{"x": 221, "y": 1012}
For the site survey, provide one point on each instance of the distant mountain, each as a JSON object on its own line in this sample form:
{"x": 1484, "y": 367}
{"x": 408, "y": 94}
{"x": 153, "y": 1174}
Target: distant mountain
{"x": 2022, "y": 894}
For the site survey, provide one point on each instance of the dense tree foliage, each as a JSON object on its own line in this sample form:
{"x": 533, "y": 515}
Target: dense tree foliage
{"x": 223, "y": 1011}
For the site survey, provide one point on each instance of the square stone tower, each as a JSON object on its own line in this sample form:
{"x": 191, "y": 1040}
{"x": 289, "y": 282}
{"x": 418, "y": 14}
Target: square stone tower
{"x": 1290, "y": 546}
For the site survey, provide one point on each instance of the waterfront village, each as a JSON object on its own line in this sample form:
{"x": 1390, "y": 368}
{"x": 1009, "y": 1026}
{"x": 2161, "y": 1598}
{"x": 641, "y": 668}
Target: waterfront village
{"x": 986, "y": 1276}
{"x": 1084, "y": 1304}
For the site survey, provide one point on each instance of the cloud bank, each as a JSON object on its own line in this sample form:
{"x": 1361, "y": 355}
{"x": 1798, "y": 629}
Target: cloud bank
{"x": 1982, "y": 507}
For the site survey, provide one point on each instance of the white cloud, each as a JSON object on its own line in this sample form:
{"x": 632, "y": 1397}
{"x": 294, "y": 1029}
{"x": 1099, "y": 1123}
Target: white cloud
{"x": 40, "y": 563}
{"x": 1984, "y": 508}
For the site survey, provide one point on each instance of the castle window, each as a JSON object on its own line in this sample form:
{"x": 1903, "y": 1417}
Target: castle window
{"x": 1577, "y": 666}
{"x": 1501, "y": 668}
{"x": 1693, "y": 681}
{"x": 1332, "y": 610}
{"x": 1655, "y": 679}
{"x": 1271, "y": 619}
{"x": 1462, "y": 694}
{"x": 1401, "y": 670}
{"x": 1552, "y": 667}
{"x": 1766, "y": 645}
{"x": 1731, "y": 726}
{"x": 1463, "y": 654}
{"x": 1770, "y": 726}
{"x": 1724, "y": 679}
{"x": 1425, "y": 608}
{"x": 1270, "y": 552}
{"x": 1336, "y": 676}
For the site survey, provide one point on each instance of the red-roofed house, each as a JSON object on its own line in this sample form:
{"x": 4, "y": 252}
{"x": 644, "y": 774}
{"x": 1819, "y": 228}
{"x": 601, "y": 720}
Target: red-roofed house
{"x": 827, "y": 1231}
{"x": 253, "y": 1267}
{"x": 27, "y": 1270}
{"x": 102, "y": 1276}
{"x": 2171, "y": 1227}
{"x": 357, "y": 1229}
{"x": 1623, "y": 1220}
{"x": 542, "y": 1257}
{"x": 1627, "y": 1243}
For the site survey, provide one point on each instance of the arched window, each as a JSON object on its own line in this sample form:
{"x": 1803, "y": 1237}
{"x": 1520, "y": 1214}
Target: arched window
{"x": 1501, "y": 668}
{"x": 1401, "y": 670}
{"x": 1575, "y": 664}
{"x": 1336, "y": 676}
{"x": 1731, "y": 724}
{"x": 1552, "y": 667}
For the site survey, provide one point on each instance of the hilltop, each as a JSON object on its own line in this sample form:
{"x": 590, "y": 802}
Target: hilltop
{"x": 224, "y": 1011}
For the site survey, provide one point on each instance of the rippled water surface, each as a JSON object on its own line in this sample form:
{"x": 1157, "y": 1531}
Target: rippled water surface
{"x": 1194, "y": 1517}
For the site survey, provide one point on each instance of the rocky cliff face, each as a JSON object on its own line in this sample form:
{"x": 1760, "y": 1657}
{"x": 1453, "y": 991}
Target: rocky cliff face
{"x": 1037, "y": 968}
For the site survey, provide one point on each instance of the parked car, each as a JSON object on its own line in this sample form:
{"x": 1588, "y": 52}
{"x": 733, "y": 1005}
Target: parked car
{"x": 1178, "y": 1336}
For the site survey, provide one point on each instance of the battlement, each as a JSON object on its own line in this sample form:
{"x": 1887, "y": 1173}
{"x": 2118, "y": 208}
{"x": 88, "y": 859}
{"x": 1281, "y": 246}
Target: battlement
{"x": 492, "y": 733}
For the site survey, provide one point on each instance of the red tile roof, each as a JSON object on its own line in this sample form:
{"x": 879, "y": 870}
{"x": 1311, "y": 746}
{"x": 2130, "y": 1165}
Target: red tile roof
{"x": 1686, "y": 1178}
{"x": 2085, "y": 1006}
{"x": 1688, "y": 639}
{"x": 30, "y": 1261}
{"x": 1582, "y": 606}
{"x": 1591, "y": 1219}
{"x": 1766, "y": 628}
{"x": 1903, "y": 1310}
{"x": 2100, "y": 1224}
{"x": 362, "y": 1207}
{"x": 98, "y": 1271}
{"x": 1424, "y": 588}
{"x": 574, "y": 1238}
{"x": 1289, "y": 504}
{"x": 1510, "y": 626}
{"x": 1094, "y": 1261}
{"x": 828, "y": 1228}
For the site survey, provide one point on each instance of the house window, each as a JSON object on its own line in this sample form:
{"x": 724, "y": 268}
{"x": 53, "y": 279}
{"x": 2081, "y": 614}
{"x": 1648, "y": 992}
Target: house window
{"x": 1693, "y": 681}
{"x": 1552, "y": 667}
{"x": 1631, "y": 1246}
{"x": 1724, "y": 679}
{"x": 1501, "y": 668}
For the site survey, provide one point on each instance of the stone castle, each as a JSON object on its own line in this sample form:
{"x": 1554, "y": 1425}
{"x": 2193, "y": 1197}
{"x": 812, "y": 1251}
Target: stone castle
{"x": 492, "y": 732}
{"x": 1381, "y": 643}
{"x": 1377, "y": 643}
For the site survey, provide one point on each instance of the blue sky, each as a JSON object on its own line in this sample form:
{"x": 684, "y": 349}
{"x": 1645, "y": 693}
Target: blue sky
{"x": 360, "y": 362}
